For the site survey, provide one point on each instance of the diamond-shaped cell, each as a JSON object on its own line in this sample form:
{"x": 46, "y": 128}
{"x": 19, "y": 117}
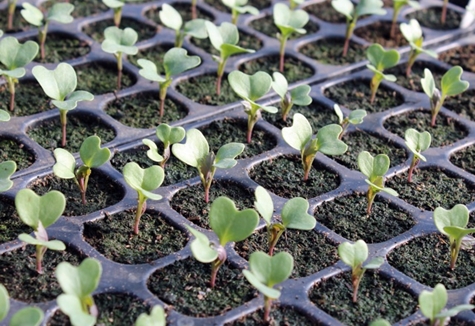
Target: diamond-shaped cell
{"x": 329, "y": 51}
{"x": 60, "y": 47}
{"x": 431, "y": 18}
{"x": 379, "y": 32}
{"x": 96, "y": 29}
{"x": 464, "y": 159}
{"x": 27, "y": 91}
{"x": 99, "y": 77}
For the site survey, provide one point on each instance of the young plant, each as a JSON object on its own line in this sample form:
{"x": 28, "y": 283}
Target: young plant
{"x": 29, "y": 316}
{"x": 157, "y": 317}
{"x": 379, "y": 60}
{"x": 450, "y": 85}
{"x": 7, "y": 169}
{"x": 297, "y": 95}
{"x": 300, "y": 137}
{"x": 417, "y": 142}
{"x": 432, "y": 306}
{"x": 397, "y": 6}
{"x": 352, "y": 14}
{"x": 453, "y": 224}
{"x": 230, "y": 225}
{"x": 92, "y": 156}
{"x": 288, "y": 21}
{"x": 294, "y": 216}
{"x": 224, "y": 39}
{"x": 144, "y": 181}
{"x": 15, "y": 56}
{"x": 60, "y": 84}
{"x": 354, "y": 118}
{"x": 354, "y": 255}
{"x": 119, "y": 41}
{"x": 195, "y": 152}
{"x": 39, "y": 212}
{"x": 11, "y": 12}
{"x": 78, "y": 284}
{"x": 413, "y": 34}
{"x": 239, "y": 7}
{"x": 175, "y": 61}
{"x": 60, "y": 12}
{"x": 168, "y": 136}
{"x": 250, "y": 89}
{"x": 266, "y": 271}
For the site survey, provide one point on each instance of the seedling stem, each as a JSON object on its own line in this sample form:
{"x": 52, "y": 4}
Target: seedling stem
{"x": 444, "y": 12}
{"x": 349, "y": 32}
{"x": 119, "y": 69}
{"x": 64, "y": 121}
{"x": 141, "y": 207}
{"x": 11, "y": 11}
{"x": 11, "y": 88}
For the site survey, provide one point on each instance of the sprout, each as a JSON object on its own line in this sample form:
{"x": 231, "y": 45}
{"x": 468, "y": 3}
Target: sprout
{"x": 11, "y": 12}
{"x": 169, "y": 136}
{"x": 7, "y": 169}
{"x": 354, "y": 118}
{"x": 239, "y": 7}
{"x": 417, "y": 142}
{"x": 157, "y": 317}
{"x": 297, "y": 95}
{"x": 300, "y": 137}
{"x": 116, "y": 6}
{"x": 29, "y": 316}
{"x": 379, "y": 60}
{"x": 397, "y": 6}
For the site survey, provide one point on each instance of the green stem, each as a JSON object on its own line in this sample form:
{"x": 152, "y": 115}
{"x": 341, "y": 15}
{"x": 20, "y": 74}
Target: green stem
{"x": 414, "y": 163}
{"x": 454, "y": 251}
{"x": 221, "y": 66}
{"x": 215, "y": 265}
{"x": 349, "y": 33}
{"x": 234, "y": 16}
{"x": 275, "y": 232}
{"x": 40, "y": 251}
{"x": 141, "y": 206}
{"x": 356, "y": 276}
{"x": 179, "y": 39}
{"x": 64, "y": 120}
{"x": 11, "y": 11}
{"x": 252, "y": 118}
{"x": 283, "y": 41}
{"x": 435, "y": 111}
{"x": 42, "y": 40}
{"x": 163, "y": 95}
{"x": 412, "y": 58}
{"x": 267, "y": 306}
{"x": 374, "y": 85}
{"x": 371, "y": 195}
{"x": 117, "y": 16}
{"x": 119, "y": 70}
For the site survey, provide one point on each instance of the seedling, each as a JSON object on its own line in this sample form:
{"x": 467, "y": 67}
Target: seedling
{"x": 7, "y": 169}
{"x": 354, "y": 118}
{"x": 116, "y": 6}
{"x": 11, "y": 12}
{"x": 169, "y": 136}
{"x": 175, "y": 61}
{"x": 157, "y": 317}
{"x": 288, "y": 21}
{"x": 60, "y": 12}
{"x": 294, "y": 216}
{"x": 39, "y": 212}
{"x": 300, "y": 137}
{"x": 266, "y": 271}
{"x": 78, "y": 284}
{"x": 120, "y": 41}
{"x": 450, "y": 85}
{"x": 60, "y": 84}
{"x": 397, "y": 6}
{"x": 453, "y": 224}
{"x": 29, "y": 316}
{"x": 413, "y": 34}
{"x": 15, "y": 56}
{"x": 417, "y": 142}
{"x": 230, "y": 225}
{"x": 352, "y": 14}
{"x": 4, "y": 116}
{"x": 354, "y": 255}
{"x": 195, "y": 152}
{"x": 224, "y": 39}
{"x": 250, "y": 89}
{"x": 239, "y": 7}
{"x": 144, "y": 181}
{"x": 294, "y": 3}
{"x": 379, "y": 60}
{"x": 297, "y": 95}
{"x": 443, "y": 15}
{"x": 432, "y": 306}
{"x": 92, "y": 156}
{"x": 171, "y": 18}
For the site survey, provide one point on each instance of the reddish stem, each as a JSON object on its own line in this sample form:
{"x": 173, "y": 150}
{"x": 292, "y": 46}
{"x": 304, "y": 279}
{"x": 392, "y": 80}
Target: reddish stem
{"x": 12, "y": 100}
{"x": 444, "y": 13}
{"x": 346, "y": 46}
{"x": 63, "y": 134}
{"x": 267, "y": 306}
{"x": 162, "y": 108}
{"x": 218, "y": 84}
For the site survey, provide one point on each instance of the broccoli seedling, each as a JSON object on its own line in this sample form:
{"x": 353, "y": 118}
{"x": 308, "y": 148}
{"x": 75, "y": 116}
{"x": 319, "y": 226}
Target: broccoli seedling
{"x": 293, "y": 215}
{"x": 60, "y": 12}
{"x": 417, "y": 142}
{"x": 450, "y": 85}
{"x": 195, "y": 152}
{"x": 453, "y": 224}
{"x": 144, "y": 181}
{"x": 11, "y": 12}
{"x": 413, "y": 34}
{"x": 39, "y": 212}
{"x": 354, "y": 255}
{"x": 171, "y": 18}
{"x": 352, "y": 14}
{"x": 239, "y": 7}
{"x": 379, "y": 60}
{"x": 29, "y": 316}
{"x": 224, "y": 39}
{"x": 60, "y": 85}
{"x": 7, "y": 169}
{"x": 300, "y": 137}
{"x": 175, "y": 61}
{"x": 120, "y": 41}
{"x": 92, "y": 156}
{"x": 157, "y": 317}
{"x": 168, "y": 136}
{"x": 266, "y": 271}
{"x": 78, "y": 284}
{"x": 297, "y": 95}
{"x": 374, "y": 168}
{"x": 116, "y": 6}
{"x": 230, "y": 225}
{"x": 251, "y": 88}
{"x": 288, "y": 21}
{"x": 432, "y": 306}
{"x": 354, "y": 118}
{"x": 397, "y": 6}
{"x": 15, "y": 56}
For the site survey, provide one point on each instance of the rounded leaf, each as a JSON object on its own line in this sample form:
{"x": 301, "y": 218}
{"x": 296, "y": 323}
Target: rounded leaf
{"x": 33, "y": 208}
{"x": 65, "y": 165}
{"x": 298, "y": 135}
{"x": 57, "y": 83}
{"x": 201, "y": 247}
{"x": 226, "y": 154}
{"x": 432, "y": 303}
{"x": 295, "y": 215}
{"x": 353, "y": 255}
{"x": 344, "y": 7}
{"x": 4, "y": 302}
{"x": 271, "y": 270}
{"x": 80, "y": 281}
{"x": 264, "y": 289}
{"x": 451, "y": 84}
{"x": 328, "y": 141}
{"x": 280, "y": 84}
{"x": 118, "y": 40}
{"x": 152, "y": 153}
{"x": 144, "y": 181}
{"x": 289, "y": 21}
{"x": 380, "y": 58}
{"x": 170, "y": 135}
{"x": 264, "y": 204}
{"x": 72, "y": 100}
{"x": 15, "y": 55}
{"x": 92, "y": 154}
{"x": 300, "y": 96}
{"x": 157, "y": 317}
{"x": 7, "y": 168}
{"x": 72, "y": 307}
{"x": 61, "y": 12}
{"x": 177, "y": 60}
{"x": 32, "y": 15}
{"x": 250, "y": 87}
{"x": 412, "y": 31}
{"x": 4, "y": 115}
{"x": 29, "y": 316}
{"x": 170, "y": 17}
{"x": 149, "y": 71}
{"x": 193, "y": 150}
{"x": 457, "y": 216}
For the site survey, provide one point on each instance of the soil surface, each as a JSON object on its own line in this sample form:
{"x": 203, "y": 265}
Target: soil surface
{"x": 465, "y": 159}
{"x": 183, "y": 8}
{"x": 266, "y": 26}
{"x": 430, "y": 18}
{"x": 259, "y": 4}
{"x": 11, "y": 150}
{"x": 463, "y": 104}
{"x": 330, "y": 51}
{"x": 26, "y": 92}
{"x": 61, "y": 47}
{"x": 96, "y": 29}
{"x": 100, "y": 77}
{"x": 279, "y": 315}
{"x": 413, "y": 83}
{"x": 83, "y": 8}
{"x": 325, "y": 11}
{"x": 379, "y": 32}
{"x": 19, "y": 24}
{"x": 10, "y": 224}
{"x": 460, "y": 56}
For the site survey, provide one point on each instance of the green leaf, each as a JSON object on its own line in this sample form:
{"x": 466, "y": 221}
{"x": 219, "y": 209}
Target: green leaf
{"x": 72, "y": 307}
{"x": 196, "y": 28}
{"x": 117, "y": 40}
{"x": 289, "y": 21}
{"x": 300, "y": 96}
{"x": 170, "y": 135}
{"x": 428, "y": 83}
{"x": 456, "y": 232}
{"x": 264, "y": 204}
{"x": 144, "y": 181}
{"x": 271, "y": 270}
{"x": 380, "y": 165}
{"x": 80, "y": 281}
{"x": 114, "y": 4}
{"x": 149, "y": 71}
{"x": 339, "y": 113}
{"x": 92, "y": 154}
{"x": 380, "y": 322}
{"x": 201, "y": 247}
{"x": 29, "y": 316}
{"x": 353, "y": 255}
{"x": 380, "y": 58}
{"x": 299, "y": 134}
{"x": 33, "y": 208}
{"x": 432, "y": 303}
{"x": 280, "y": 84}
{"x": 7, "y": 169}
{"x": 344, "y": 7}
{"x": 170, "y": 17}
{"x": 228, "y": 50}
{"x": 4, "y": 116}
{"x": 264, "y": 289}
{"x": 15, "y": 55}
{"x": 417, "y": 142}
{"x": 156, "y": 317}
{"x": 451, "y": 84}
{"x": 373, "y": 167}
{"x": 374, "y": 263}
{"x": 53, "y": 244}
{"x": 412, "y": 31}
{"x": 250, "y": 87}
{"x": 369, "y": 7}
{"x": 328, "y": 142}
{"x": 454, "y": 311}
{"x": 457, "y": 216}
{"x": 193, "y": 150}
{"x": 226, "y": 154}
{"x": 4, "y": 302}
{"x": 356, "y": 117}
{"x": 57, "y": 83}
{"x": 295, "y": 215}
{"x": 32, "y": 15}
{"x": 177, "y": 61}
{"x": 152, "y": 153}
{"x": 72, "y": 100}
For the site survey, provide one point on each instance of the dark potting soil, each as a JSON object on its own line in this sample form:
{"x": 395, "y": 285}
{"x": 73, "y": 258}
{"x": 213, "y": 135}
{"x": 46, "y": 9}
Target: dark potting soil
{"x": 100, "y": 77}
{"x": 330, "y": 51}
{"x": 430, "y": 18}
{"x": 154, "y": 54}
{"x": 82, "y": 8}
{"x": 445, "y": 132}
{"x": 96, "y": 29}
{"x": 378, "y": 297}
{"x": 266, "y": 26}
{"x": 464, "y": 159}
{"x": 16, "y": 151}
{"x": 259, "y": 4}
{"x": 10, "y": 224}
{"x": 19, "y": 24}
{"x": 355, "y": 94}
{"x": 413, "y": 83}
{"x": 60, "y": 47}
{"x": 26, "y": 93}
{"x": 48, "y": 133}
{"x": 463, "y": 104}
{"x": 183, "y": 8}
{"x": 379, "y": 32}
{"x": 325, "y": 11}
{"x": 101, "y": 192}
{"x": 246, "y": 41}
{"x": 279, "y": 315}
{"x": 427, "y": 260}
{"x": 113, "y": 237}
{"x": 311, "y": 250}
{"x": 429, "y": 189}
{"x": 283, "y": 176}
{"x": 460, "y": 56}
{"x": 347, "y": 217}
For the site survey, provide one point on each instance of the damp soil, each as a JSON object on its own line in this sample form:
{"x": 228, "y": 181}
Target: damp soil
{"x": 378, "y": 297}
{"x": 154, "y": 54}
{"x": 353, "y": 223}
{"x": 184, "y": 285}
{"x": 266, "y": 26}
{"x": 413, "y": 82}
{"x": 283, "y": 176}
{"x": 379, "y": 32}
{"x": 96, "y": 30}
{"x": 60, "y": 47}
{"x": 279, "y": 315}
{"x": 460, "y": 56}
{"x": 465, "y": 159}
{"x": 183, "y": 8}
{"x": 329, "y": 51}
{"x": 246, "y": 41}
{"x": 26, "y": 92}
{"x": 430, "y": 18}
{"x": 83, "y": 8}
{"x": 259, "y": 4}
{"x": 325, "y": 11}
{"x": 10, "y": 224}
{"x": 100, "y": 77}
{"x": 16, "y": 151}
{"x": 113, "y": 237}
{"x": 462, "y": 104}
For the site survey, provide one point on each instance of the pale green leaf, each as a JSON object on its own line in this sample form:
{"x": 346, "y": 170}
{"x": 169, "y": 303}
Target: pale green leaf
{"x": 353, "y": 255}
{"x": 298, "y": 135}
{"x": 226, "y": 154}
{"x": 193, "y": 150}
{"x": 156, "y": 317}
{"x": 432, "y": 303}
{"x": 300, "y": 96}
{"x": 65, "y": 165}
{"x": 32, "y": 15}
{"x": 149, "y": 70}
{"x": 29, "y": 316}
{"x": 264, "y": 204}
{"x": 170, "y": 17}
{"x": 7, "y": 169}
{"x": 250, "y": 87}
{"x": 280, "y": 84}
{"x": 451, "y": 84}
{"x": 177, "y": 60}
{"x": 4, "y": 302}
{"x": 72, "y": 101}
{"x": 344, "y": 7}
{"x": 201, "y": 247}
{"x": 152, "y": 153}
{"x": 33, "y": 208}
{"x": 295, "y": 215}
{"x": 264, "y": 289}
{"x": 80, "y": 281}
{"x": 92, "y": 154}
{"x": 72, "y": 307}
{"x": 118, "y": 40}
{"x": 15, "y": 55}
{"x": 57, "y": 83}
{"x": 456, "y": 216}
{"x": 144, "y": 181}
{"x": 271, "y": 270}
{"x": 61, "y": 13}
{"x": 328, "y": 142}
